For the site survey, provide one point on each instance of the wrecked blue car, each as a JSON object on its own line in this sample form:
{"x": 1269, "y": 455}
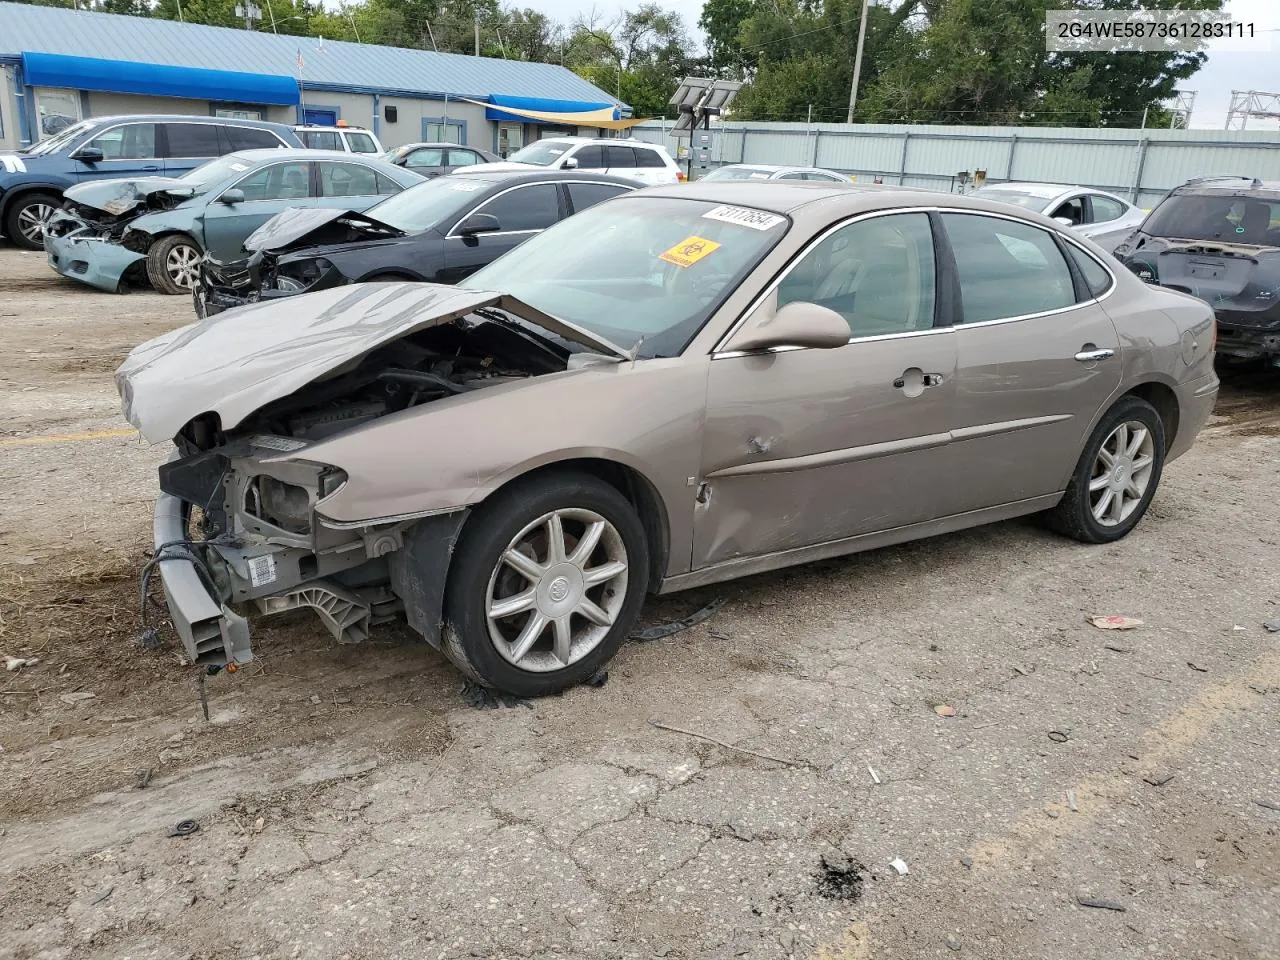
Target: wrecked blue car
{"x": 115, "y": 234}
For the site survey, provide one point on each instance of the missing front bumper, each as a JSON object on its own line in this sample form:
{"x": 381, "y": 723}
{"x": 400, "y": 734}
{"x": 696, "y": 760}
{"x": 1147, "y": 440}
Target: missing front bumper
{"x": 99, "y": 263}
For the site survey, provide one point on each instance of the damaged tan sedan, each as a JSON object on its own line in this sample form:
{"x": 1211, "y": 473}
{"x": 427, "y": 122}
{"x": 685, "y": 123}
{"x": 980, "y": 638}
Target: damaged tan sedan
{"x": 673, "y": 388}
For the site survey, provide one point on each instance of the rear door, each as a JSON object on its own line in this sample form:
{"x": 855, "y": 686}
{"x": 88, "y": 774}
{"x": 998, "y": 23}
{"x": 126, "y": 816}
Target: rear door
{"x": 188, "y": 145}
{"x": 1037, "y": 359}
{"x": 652, "y": 166}
{"x": 585, "y": 194}
{"x": 428, "y": 161}
{"x": 342, "y": 185}
{"x": 1109, "y": 221}
{"x": 462, "y": 157}
{"x": 621, "y": 162}
{"x": 128, "y": 150}
{"x": 267, "y": 190}
{"x": 522, "y": 212}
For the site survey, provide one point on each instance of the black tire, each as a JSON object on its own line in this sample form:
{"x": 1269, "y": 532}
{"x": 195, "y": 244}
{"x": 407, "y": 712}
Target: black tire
{"x": 490, "y": 529}
{"x": 15, "y": 221}
{"x": 158, "y": 260}
{"x": 1073, "y": 516}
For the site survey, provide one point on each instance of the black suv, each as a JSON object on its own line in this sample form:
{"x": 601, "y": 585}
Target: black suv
{"x": 1218, "y": 239}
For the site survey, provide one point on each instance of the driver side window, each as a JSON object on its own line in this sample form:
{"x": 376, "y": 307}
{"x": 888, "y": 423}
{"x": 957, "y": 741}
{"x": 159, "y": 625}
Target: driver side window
{"x": 877, "y": 273}
{"x": 132, "y": 141}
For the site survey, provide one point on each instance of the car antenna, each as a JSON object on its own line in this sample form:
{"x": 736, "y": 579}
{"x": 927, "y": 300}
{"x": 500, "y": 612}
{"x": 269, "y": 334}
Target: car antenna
{"x": 634, "y": 352}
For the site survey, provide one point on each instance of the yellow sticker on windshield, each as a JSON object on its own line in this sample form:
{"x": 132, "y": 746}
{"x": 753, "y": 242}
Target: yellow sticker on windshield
{"x": 689, "y": 251}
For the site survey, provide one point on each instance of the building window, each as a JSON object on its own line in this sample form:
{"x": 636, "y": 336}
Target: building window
{"x": 444, "y": 130}
{"x": 238, "y": 113}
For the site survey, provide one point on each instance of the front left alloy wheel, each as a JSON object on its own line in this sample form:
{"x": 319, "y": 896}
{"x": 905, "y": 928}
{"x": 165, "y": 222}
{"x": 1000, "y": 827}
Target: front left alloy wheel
{"x": 547, "y": 581}
{"x": 173, "y": 264}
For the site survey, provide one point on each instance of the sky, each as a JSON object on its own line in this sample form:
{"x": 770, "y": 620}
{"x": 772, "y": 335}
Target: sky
{"x": 1225, "y": 70}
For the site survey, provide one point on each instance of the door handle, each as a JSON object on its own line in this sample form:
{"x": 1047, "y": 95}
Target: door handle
{"x": 923, "y": 379}
{"x": 150, "y": 169}
{"x": 1090, "y": 353}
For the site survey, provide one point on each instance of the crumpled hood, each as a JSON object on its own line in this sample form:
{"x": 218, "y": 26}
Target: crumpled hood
{"x": 1230, "y": 277}
{"x": 120, "y": 196}
{"x": 294, "y": 224}
{"x": 237, "y": 362}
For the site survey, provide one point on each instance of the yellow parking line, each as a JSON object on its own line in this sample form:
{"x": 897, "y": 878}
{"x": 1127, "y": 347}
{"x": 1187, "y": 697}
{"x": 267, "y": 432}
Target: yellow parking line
{"x": 65, "y": 437}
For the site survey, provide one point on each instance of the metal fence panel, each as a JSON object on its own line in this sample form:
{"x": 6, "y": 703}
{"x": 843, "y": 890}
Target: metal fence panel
{"x": 1140, "y": 163}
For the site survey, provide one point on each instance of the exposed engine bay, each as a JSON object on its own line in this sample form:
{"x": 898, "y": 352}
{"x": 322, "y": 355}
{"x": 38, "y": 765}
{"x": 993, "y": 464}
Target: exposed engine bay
{"x": 255, "y": 531}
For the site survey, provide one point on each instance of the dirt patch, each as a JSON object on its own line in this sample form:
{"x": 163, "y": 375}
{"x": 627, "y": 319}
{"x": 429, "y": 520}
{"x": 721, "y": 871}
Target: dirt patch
{"x": 840, "y": 879}
{"x": 105, "y": 363}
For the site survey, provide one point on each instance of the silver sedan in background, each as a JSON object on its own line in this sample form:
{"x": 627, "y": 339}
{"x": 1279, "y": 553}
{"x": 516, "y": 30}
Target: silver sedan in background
{"x": 1102, "y": 217}
{"x": 764, "y": 171}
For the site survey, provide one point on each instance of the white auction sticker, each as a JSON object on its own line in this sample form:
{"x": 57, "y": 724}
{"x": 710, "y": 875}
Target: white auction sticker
{"x": 465, "y": 186}
{"x": 278, "y": 443}
{"x": 744, "y": 217}
{"x": 262, "y": 570}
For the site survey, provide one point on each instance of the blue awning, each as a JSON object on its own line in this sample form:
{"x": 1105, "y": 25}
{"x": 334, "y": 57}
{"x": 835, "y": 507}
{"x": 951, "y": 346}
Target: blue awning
{"x": 543, "y": 105}
{"x": 124, "y": 76}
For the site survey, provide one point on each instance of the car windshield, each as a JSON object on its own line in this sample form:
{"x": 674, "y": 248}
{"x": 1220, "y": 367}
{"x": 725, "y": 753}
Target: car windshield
{"x": 637, "y": 270}
{"x": 541, "y": 154}
{"x": 428, "y": 204}
{"x": 1019, "y": 198}
{"x": 215, "y": 171}
{"x": 61, "y": 140}
{"x": 1228, "y": 218}
{"x": 737, "y": 173}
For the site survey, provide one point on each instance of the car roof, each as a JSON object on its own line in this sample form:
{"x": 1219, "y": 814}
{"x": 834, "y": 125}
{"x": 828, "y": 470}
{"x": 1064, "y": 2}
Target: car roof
{"x": 819, "y": 202}
{"x": 1230, "y": 185}
{"x": 318, "y": 126}
{"x": 306, "y": 153}
{"x": 181, "y": 118}
{"x": 520, "y": 176}
{"x": 628, "y": 141}
{"x": 1037, "y": 189}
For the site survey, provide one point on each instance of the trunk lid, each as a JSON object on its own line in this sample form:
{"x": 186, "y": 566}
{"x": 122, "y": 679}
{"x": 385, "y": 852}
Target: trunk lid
{"x": 235, "y": 363}
{"x": 1231, "y": 277}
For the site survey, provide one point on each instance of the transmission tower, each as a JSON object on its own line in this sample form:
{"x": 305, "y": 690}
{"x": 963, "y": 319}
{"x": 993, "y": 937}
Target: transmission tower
{"x": 1184, "y": 101}
{"x": 1249, "y": 105}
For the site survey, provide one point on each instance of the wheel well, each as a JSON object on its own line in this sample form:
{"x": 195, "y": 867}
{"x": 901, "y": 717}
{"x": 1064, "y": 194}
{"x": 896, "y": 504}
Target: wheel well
{"x": 11, "y": 197}
{"x": 1165, "y": 402}
{"x": 639, "y": 492}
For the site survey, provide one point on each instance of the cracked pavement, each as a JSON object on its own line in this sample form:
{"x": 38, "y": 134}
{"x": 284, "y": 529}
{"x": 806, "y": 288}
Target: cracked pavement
{"x": 352, "y": 804}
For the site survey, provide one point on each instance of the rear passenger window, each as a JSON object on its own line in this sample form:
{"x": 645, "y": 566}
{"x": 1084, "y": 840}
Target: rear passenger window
{"x": 1095, "y": 277}
{"x": 387, "y": 186}
{"x": 250, "y": 138}
{"x": 525, "y": 208}
{"x": 361, "y": 143}
{"x": 1104, "y": 209}
{"x": 1006, "y": 269}
{"x": 877, "y": 273}
{"x": 619, "y": 157}
{"x": 321, "y": 140}
{"x": 584, "y": 195}
{"x": 193, "y": 140}
{"x": 347, "y": 180}
{"x": 590, "y": 158}
{"x": 648, "y": 158}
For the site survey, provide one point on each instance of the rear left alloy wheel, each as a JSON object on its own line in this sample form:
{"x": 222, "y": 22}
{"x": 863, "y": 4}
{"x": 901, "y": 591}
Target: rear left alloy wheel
{"x": 1116, "y": 477}
{"x": 173, "y": 264}
{"x": 546, "y": 583}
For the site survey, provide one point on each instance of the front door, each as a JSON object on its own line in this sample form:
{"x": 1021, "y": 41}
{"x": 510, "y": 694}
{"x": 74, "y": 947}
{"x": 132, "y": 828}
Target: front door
{"x": 128, "y": 150}
{"x": 521, "y": 213}
{"x": 1027, "y": 389}
{"x": 267, "y": 191}
{"x": 810, "y": 446}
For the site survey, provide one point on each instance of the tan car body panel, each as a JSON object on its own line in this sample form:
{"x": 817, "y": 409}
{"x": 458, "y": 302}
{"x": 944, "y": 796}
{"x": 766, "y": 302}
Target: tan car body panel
{"x": 804, "y": 453}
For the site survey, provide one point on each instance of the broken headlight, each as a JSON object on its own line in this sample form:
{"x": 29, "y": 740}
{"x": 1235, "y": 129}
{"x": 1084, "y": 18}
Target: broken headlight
{"x": 283, "y": 505}
{"x": 296, "y": 277}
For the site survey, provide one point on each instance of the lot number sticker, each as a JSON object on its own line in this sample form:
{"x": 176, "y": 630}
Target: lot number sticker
{"x": 262, "y": 570}
{"x": 744, "y": 217}
{"x": 689, "y": 251}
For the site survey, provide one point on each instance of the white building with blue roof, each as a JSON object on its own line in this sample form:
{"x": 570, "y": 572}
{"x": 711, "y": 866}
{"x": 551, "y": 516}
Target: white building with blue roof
{"x": 59, "y": 65}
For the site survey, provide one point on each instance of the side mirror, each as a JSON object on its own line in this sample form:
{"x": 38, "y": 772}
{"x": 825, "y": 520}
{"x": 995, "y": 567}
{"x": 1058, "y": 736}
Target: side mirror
{"x": 88, "y": 155}
{"x": 1065, "y": 221}
{"x": 479, "y": 223}
{"x": 570, "y": 163}
{"x": 798, "y": 324}
{"x": 231, "y": 197}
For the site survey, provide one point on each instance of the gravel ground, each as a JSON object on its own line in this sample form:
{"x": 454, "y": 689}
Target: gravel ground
{"x": 360, "y": 802}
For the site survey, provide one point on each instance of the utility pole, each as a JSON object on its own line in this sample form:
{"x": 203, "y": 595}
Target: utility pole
{"x": 476, "y": 11}
{"x": 857, "y": 61}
